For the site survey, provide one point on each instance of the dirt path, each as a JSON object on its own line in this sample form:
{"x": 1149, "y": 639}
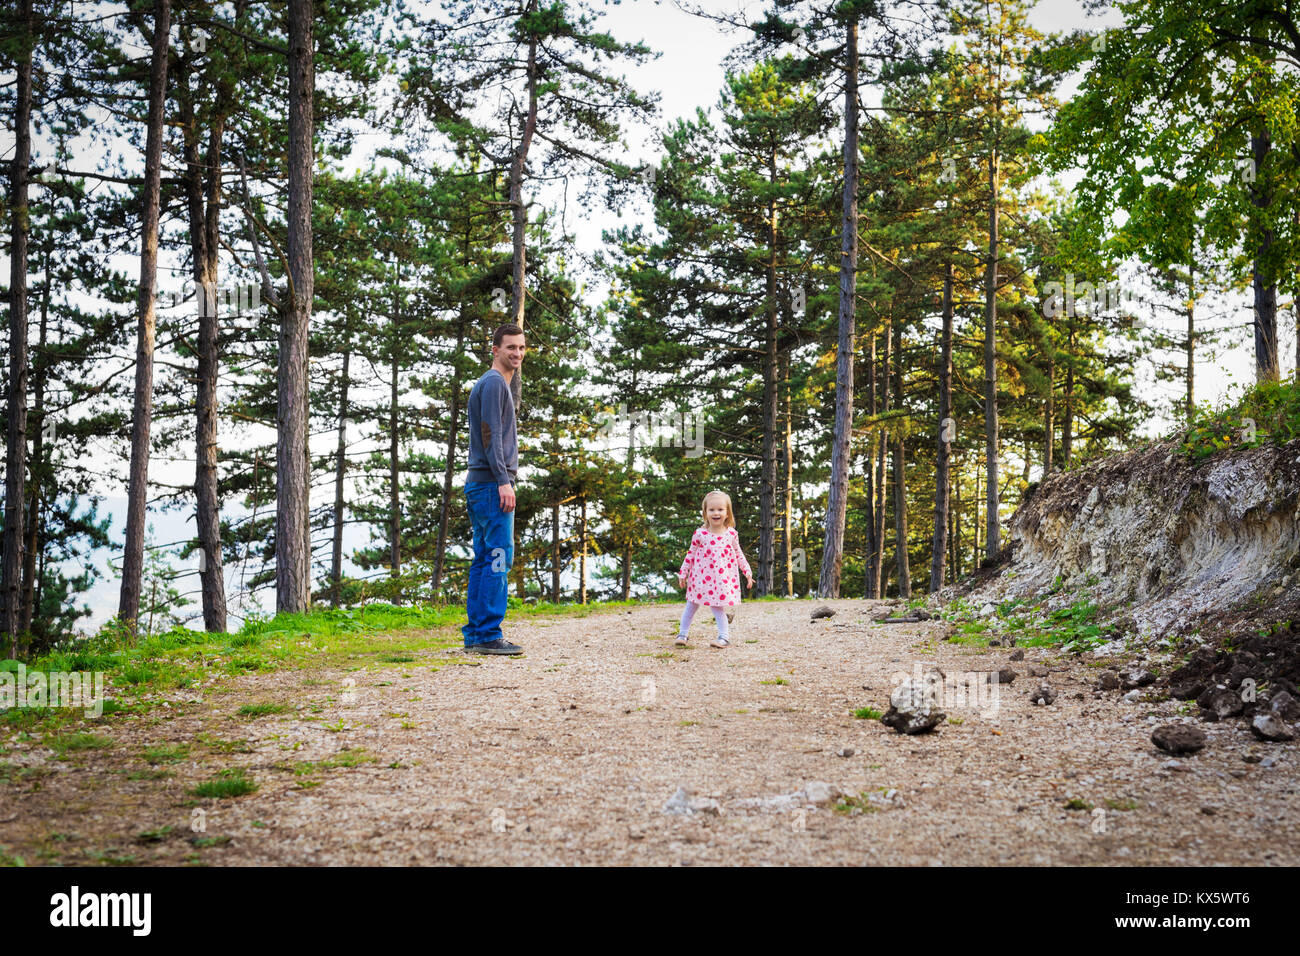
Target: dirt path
{"x": 570, "y": 754}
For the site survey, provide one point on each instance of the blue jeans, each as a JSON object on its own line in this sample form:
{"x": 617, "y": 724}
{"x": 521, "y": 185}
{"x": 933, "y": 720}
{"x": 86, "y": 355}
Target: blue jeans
{"x": 494, "y": 554}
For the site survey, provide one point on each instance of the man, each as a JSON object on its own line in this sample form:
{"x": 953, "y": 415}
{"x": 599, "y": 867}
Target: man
{"x": 490, "y": 494}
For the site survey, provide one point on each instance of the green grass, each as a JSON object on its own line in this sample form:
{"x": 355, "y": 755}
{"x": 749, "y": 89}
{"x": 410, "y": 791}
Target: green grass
{"x": 167, "y": 753}
{"x": 217, "y": 745}
{"x": 64, "y": 744}
{"x": 231, "y": 782}
{"x": 347, "y": 757}
{"x": 261, "y": 710}
{"x": 847, "y": 804}
{"x": 1076, "y": 803}
{"x": 867, "y": 713}
{"x": 155, "y": 836}
{"x": 204, "y": 843}
{"x": 775, "y": 680}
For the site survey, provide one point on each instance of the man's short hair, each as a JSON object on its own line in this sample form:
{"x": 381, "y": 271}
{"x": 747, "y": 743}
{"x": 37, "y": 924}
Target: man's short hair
{"x": 503, "y": 330}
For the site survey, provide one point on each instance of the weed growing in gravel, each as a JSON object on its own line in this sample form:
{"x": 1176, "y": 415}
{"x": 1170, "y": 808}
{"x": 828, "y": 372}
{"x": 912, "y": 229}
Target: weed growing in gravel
{"x": 155, "y": 836}
{"x": 64, "y": 744}
{"x": 867, "y": 713}
{"x": 230, "y": 782}
{"x": 261, "y": 710}
{"x": 855, "y": 806}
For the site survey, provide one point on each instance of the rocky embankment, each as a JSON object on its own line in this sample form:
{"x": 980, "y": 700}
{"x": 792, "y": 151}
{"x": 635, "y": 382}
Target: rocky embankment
{"x": 1161, "y": 544}
{"x": 1200, "y": 559}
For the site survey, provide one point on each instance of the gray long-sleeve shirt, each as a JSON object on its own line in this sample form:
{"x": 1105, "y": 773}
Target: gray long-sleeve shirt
{"x": 493, "y": 447}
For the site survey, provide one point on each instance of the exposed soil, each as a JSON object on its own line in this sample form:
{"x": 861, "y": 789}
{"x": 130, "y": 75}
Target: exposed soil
{"x": 569, "y": 755}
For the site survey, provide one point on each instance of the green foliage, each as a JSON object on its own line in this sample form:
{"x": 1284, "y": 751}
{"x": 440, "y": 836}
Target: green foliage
{"x": 231, "y": 782}
{"x": 1266, "y": 413}
{"x": 867, "y": 713}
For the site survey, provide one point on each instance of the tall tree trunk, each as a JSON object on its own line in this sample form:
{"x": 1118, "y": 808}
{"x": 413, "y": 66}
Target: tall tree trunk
{"x": 40, "y": 373}
{"x": 627, "y": 544}
{"x": 787, "y": 457}
{"x": 900, "y": 479}
{"x": 293, "y": 478}
{"x": 582, "y": 552}
{"x": 942, "y": 519}
{"x": 517, "y": 569}
{"x": 340, "y": 472}
{"x": 394, "y": 472}
{"x": 1263, "y": 282}
{"x": 1067, "y": 423}
{"x": 882, "y": 482}
{"x": 954, "y": 527}
{"x": 16, "y": 441}
{"x": 837, "y": 499}
{"x": 128, "y": 608}
{"x": 449, "y": 473}
{"x": 518, "y": 209}
{"x": 203, "y": 208}
{"x": 1190, "y": 402}
{"x": 767, "y": 482}
{"x": 871, "y": 582}
{"x": 1049, "y": 419}
{"x": 992, "y": 532}
{"x": 555, "y": 553}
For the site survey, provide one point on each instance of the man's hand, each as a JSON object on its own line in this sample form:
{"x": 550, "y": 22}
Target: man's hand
{"x": 507, "y": 492}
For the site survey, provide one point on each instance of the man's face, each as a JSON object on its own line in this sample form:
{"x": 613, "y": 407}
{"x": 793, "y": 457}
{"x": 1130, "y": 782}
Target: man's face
{"x": 510, "y": 352}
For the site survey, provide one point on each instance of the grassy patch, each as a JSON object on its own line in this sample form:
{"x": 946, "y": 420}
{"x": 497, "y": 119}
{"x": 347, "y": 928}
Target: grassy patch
{"x": 227, "y": 783}
{"x": 155, "y": 836}
{"x": 1126, "y": 804}
{"x": 261, "y": 710}
{"x": 167, "y": 753}
{"x": 867, "y": 713}
{"x": 852, "y": 806}
{"x": 64, "y": 744}
{"x": 1077, "y": 803}
{"x": 217, "y": 745}
{"x": 204, "y": 843}
{"x": 775, "y": 680}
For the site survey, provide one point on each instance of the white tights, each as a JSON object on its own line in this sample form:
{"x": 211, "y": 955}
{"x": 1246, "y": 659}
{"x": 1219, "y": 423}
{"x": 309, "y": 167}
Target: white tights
{"x": 719, "y": 615}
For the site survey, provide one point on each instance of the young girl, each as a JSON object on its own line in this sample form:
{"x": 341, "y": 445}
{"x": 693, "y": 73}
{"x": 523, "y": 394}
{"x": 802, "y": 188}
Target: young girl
{"x": 709, "y": 571}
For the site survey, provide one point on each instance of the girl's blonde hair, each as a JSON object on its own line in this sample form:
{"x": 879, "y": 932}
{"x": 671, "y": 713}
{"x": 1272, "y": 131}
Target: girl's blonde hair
{"x": 730, "y": 520}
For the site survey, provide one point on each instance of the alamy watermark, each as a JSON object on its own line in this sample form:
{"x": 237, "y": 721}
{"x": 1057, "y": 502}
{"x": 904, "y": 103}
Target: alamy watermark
{"x": 1083, "y": 298}
{"x": 212, "y": 299}
{"x": 669, "y": 429}
{"x": 23, "y": 688}
{"x": 968, "y": 690}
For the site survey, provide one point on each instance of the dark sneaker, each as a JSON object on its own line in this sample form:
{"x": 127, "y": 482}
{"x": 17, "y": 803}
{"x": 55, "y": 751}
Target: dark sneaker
{"x": 499, "y": 646}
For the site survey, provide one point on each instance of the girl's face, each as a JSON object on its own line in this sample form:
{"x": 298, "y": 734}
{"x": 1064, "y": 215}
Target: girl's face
{"x": 717, "y": 511}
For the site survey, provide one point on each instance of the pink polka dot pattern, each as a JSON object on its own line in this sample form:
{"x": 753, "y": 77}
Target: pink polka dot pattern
{"x": 710, "y": 568}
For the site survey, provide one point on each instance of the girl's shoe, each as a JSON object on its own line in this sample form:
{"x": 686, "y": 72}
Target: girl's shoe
{"x": 681, "y": 641}
{"x": 720, "y": 642}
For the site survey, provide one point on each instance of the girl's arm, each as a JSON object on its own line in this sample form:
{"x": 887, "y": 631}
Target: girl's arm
{"x": 740, "y": 555}
{"x": 689, "y": 561}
